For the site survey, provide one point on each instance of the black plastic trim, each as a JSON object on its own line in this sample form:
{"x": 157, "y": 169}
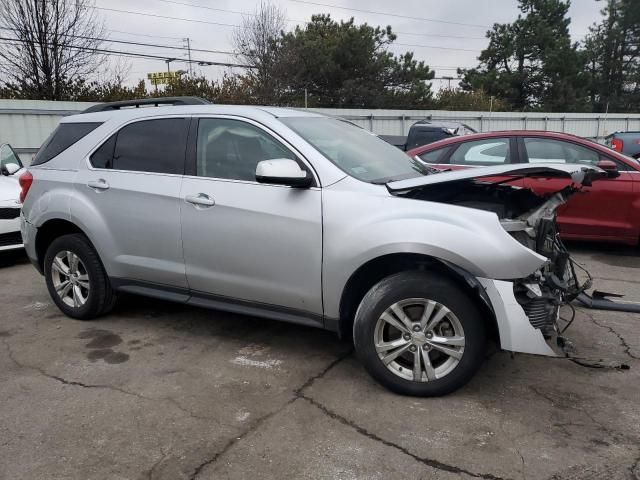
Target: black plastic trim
{"x": 173, "y": 101}
{"x": 219, "y": 302}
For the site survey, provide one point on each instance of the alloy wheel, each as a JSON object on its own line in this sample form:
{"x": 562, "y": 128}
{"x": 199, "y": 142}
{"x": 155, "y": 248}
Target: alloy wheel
{"x": 70, "y": 279}
{"x": 419, "y": 339}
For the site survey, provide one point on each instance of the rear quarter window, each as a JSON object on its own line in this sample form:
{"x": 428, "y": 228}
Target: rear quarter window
{"x": 62, "y": 138}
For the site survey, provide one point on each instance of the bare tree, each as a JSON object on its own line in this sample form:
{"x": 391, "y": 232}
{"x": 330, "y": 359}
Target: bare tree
{"x": 48, "y": 44}
{"x": 256, "y": 43}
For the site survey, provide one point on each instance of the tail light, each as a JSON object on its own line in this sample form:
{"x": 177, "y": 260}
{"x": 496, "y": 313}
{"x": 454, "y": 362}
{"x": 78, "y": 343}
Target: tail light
{"x": 617, "y": 144}
{"x": 25, "y": 180}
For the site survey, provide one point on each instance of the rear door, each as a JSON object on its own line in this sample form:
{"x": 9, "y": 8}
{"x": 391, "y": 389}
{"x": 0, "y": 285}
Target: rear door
{"x": 129, "y": 199}
{"x": 601, "y": 211}
{"x": 244, "y": 241}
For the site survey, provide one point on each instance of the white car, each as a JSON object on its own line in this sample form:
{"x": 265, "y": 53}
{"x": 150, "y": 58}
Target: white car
{"x": 10, "y": 170}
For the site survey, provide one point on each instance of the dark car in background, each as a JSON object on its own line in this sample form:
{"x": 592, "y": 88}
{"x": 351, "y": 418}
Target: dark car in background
{"x": 627, "y": 143}
{"x": 427, "y": 131}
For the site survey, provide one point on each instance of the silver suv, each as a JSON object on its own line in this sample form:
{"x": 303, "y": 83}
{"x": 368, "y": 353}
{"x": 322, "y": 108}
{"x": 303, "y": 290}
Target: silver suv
{"x": 299, "y": 217}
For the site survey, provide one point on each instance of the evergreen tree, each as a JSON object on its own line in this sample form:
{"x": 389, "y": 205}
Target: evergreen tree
{"x": 532, "y": 63}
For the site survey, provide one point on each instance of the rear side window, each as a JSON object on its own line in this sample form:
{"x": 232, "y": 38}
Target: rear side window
{"x": 103, "y": 157}
{"x": 62, "y": 138}
{"x": 492, "y": 151}
{"x": 148, "y": 146}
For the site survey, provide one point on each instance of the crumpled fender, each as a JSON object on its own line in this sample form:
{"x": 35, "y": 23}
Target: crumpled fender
{"x": 359, "y": 228}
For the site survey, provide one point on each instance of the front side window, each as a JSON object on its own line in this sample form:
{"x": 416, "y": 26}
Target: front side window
{"x": 434, "y": 156}
{"x": 544, "y": 150}
{"x": 356, "y": 151}
{"x": 492, "y": 151}
{"x": 147, "y": 146}
{"x": 232, "y": 149}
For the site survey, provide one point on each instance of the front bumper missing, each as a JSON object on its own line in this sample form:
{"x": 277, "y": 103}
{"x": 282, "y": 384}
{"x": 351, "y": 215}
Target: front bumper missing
{"x": 515, "y": 330}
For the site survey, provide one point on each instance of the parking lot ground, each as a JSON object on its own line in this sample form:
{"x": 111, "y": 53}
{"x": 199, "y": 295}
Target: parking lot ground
{"x": 163, "y": 391}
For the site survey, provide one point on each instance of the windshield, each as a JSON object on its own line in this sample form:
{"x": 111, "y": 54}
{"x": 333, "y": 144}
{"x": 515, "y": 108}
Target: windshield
{"x": 356, "y": 151}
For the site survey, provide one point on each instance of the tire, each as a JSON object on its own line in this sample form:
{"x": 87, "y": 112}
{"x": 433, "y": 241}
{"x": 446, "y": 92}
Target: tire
{"x": 412, "y": 294}
{"x": 87, "y": 293}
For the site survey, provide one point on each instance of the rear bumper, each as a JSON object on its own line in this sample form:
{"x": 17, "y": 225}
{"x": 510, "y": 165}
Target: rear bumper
{"x": 29, "y": 238}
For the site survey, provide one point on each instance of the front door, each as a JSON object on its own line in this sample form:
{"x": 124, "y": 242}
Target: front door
{"x": 601, "y": 211}
{"x": 243, "y": 240}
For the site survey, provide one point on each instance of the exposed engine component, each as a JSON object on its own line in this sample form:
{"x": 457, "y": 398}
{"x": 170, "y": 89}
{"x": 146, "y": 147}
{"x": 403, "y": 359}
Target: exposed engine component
{"x": 556, "y": 283}
{"x": 541, "y": 306}
{"x": 530, "y": 219}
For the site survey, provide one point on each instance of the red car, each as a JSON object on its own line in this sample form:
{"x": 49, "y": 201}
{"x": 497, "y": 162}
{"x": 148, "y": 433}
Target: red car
{"x": 608, "y": 211}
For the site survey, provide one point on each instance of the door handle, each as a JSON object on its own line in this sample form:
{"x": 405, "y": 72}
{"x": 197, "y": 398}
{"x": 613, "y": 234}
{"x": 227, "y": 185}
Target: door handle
{"x": 202, "y": 200}
{"x": 98, "y": 184}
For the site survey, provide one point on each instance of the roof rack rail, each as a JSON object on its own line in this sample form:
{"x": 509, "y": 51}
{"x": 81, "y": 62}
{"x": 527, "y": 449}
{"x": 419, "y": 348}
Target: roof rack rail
{"x": 105, "y": 107}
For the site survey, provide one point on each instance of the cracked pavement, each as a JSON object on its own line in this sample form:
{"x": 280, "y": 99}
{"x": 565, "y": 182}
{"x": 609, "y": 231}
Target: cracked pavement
{"x": 163, "y": 391}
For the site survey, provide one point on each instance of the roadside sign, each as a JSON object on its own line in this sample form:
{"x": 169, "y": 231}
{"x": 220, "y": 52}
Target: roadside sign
{"x": 161, "y": 78}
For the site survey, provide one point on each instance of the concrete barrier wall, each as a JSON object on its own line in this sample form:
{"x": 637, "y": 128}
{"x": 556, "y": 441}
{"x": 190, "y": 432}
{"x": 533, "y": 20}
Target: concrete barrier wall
{"x": 25, "y": 124}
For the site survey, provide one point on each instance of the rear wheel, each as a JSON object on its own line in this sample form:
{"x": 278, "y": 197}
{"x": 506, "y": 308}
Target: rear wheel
{"x": 76, "y": 279}
{"x": 418, "y": 333}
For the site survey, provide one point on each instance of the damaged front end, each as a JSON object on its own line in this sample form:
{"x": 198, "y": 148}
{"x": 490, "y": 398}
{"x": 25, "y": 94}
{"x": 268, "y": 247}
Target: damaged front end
{"x": 527, "y": 309}
{"x": 556, "y": 283}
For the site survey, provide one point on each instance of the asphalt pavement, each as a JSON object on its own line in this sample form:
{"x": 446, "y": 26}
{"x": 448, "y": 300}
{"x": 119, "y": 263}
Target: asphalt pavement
{"x": 163, "y": 391}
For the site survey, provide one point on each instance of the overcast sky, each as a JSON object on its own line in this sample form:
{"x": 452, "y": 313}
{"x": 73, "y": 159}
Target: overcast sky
{"x": 427, "y": 27}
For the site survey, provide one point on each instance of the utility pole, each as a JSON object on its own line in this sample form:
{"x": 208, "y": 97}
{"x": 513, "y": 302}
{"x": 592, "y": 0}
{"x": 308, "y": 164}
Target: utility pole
{"x": 187, "y": 42}
{"x": 490, "y": 111}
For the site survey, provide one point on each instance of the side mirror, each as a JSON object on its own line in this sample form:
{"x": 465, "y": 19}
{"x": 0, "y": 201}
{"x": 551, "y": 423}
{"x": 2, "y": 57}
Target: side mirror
{"x": 610, "y": 167}
{"x": 282, "y": 171}
{"x": 10, "y": 169}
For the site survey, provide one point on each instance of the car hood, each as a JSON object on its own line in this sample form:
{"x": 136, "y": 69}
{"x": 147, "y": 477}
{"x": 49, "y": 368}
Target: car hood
{"x": 10, "y": 187}
{"x": 578, "y": 174}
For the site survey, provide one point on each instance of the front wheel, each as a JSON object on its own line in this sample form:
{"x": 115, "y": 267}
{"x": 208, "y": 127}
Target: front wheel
{"x": 418, "y": 333}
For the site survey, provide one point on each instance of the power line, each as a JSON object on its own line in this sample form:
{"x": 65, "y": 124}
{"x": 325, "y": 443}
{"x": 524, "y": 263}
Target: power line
{"x": 387, "y": 14}
{"x": 145, "y": 35}
{"x": 440, "y": 36}
{"x": 165, "y": 17}
{"x": 437, "y": 47}
{"x": 231, "y": 25}
{"x": 206, "y": 7}
{"x": 141, "y": 44}
{"x": 13, "y": 41}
